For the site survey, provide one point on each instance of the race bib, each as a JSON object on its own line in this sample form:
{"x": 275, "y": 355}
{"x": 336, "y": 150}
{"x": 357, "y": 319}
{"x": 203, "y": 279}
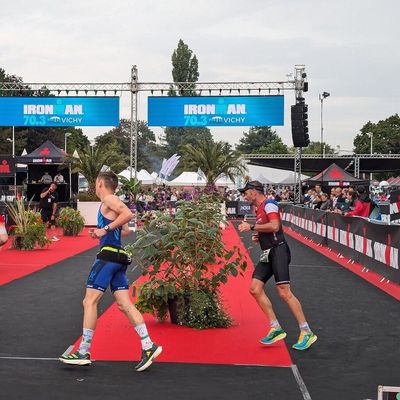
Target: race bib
{"x": 265, "y": 256}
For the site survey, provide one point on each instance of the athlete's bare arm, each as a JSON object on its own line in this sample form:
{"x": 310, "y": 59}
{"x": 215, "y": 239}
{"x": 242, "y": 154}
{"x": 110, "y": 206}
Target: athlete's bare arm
{"x": 122, "y": 212}
{"x": 272, "y": 226}
{"x": 125, "y": 230}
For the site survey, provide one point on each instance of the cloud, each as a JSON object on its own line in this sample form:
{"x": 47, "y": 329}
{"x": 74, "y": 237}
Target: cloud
{"x": 349, "y": 49}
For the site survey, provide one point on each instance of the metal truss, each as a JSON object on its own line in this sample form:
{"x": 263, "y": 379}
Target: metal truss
{"x": 201, "y": 88}
{"x": 157, "y": 88}
{"x": 316, "y": 156}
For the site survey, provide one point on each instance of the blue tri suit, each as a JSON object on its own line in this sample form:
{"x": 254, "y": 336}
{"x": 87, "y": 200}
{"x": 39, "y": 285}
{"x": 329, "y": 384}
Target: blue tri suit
{"x": 103, "y": 272}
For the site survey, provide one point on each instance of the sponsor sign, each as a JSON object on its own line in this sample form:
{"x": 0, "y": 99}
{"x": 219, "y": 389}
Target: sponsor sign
{"x": 59, "y": 111}
{"x": 7, "y": 166}
{"x": 216, "y": 111}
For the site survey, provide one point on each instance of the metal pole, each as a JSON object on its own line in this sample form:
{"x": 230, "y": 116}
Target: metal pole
{"x": 136, "y": 133}
{"x": 371, "y": 135}
{"x": 131, "y": 132}
{"x": 15, "y": 164}
{"x": 134, "y": 123}
{"x": 322, "y": 126}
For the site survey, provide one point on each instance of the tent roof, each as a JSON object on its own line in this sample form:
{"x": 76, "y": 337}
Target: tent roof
{"x": 143, "y": 176}
{"x": 290, "y": 179}
{"x": 47, "y": 153}
{"x": 334, "y": 175}
{"x": 188, "y": 179}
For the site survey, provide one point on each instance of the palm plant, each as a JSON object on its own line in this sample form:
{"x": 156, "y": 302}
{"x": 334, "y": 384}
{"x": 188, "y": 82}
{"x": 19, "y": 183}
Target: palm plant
{"x": 91, "y": 161}
{"x": 215, "y": 159}
{"x": 130, "y": 186}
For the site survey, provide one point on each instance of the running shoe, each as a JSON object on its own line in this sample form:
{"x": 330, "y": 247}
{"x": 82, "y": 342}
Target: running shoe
{"x": 306, "y": 339}
{"x": 147, "y": 357}
{"x": 76, "y": 358}
{"x": 274, "y": 335}
{"x": 55, "y": 239}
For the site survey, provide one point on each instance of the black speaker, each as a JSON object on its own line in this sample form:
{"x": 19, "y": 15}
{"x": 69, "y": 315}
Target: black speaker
{"x": 299, "y": 116}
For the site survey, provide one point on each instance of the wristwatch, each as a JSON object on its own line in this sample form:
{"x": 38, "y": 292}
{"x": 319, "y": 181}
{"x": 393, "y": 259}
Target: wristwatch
{"x": 252, "y": 227}
{"x": 106, "y": 228}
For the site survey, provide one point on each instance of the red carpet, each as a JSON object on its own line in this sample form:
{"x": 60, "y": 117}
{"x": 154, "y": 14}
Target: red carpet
{"x": 391, "y": 288}
{"x": 15, "y": 264}
{"x": 116, "y": 340}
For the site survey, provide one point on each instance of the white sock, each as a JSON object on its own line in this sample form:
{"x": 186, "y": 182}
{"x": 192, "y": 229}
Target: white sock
{"x": 86, "y": 342}
{"x": 304, "y": 327}
{"x": 144, "y": 336}
{"x": 275, "y": 324}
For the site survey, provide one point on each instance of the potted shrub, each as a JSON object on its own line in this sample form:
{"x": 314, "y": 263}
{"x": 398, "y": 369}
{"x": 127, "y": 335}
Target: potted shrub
{"x": 186, "y": 263}
{"x": 71, "y": 221}
{"x": 29, "y": 231}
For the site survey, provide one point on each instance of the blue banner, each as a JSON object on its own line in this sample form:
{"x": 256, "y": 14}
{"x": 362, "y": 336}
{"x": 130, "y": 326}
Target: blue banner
{"x": 59, "y": 111}
{"x": 216, "y": 111}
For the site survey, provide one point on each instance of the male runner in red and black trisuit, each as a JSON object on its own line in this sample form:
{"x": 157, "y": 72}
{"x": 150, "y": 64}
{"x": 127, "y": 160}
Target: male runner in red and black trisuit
{"x": 274, "y": 260}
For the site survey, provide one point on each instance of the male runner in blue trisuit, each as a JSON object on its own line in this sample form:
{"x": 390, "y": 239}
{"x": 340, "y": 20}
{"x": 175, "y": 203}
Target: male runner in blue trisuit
{"x": 275, "y": 261}
{"x": 109, "y": 268}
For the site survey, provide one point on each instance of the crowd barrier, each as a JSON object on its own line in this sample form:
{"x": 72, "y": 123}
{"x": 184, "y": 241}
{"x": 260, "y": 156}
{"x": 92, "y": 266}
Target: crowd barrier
{"x": 395, "y": 206}
{"x": 374, "y": 245}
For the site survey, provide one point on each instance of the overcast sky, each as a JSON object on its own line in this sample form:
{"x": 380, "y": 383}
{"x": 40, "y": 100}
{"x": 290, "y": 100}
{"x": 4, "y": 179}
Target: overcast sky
{"x": 350, "y": 49}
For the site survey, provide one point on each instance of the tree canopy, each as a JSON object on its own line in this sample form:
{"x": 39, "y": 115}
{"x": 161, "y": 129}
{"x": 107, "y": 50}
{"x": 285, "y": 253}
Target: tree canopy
{"x": 385, "y": 137}
{"x": 149, "y": 153}
{"x": 258, "y": 139}
{"x": 185, "y": 68}
{"x": 215, "y": 159}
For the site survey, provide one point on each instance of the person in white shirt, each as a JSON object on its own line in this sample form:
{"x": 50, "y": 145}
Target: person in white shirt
{"x": 59, "y": 178}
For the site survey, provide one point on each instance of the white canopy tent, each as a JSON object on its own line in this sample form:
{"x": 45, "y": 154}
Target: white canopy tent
{"x": 187, "y": 179}
{"x": 142, "y": 176}
{"x": 194, "y": 179}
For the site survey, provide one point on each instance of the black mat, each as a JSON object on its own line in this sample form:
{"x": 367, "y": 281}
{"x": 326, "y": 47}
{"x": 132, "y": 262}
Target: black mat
{"x": 117, "y": 380}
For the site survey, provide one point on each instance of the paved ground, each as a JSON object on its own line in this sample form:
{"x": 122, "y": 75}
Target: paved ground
{"x": 357, "y": 325}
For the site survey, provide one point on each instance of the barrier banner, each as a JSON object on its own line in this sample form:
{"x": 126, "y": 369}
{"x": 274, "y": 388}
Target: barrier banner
{"x": 7, "y": 166}
{"x": 377, "y": 246}
{"x": 306, "y": 221}
{"x": 231, "y": 209}
{"x": 244, "y": 208}
{"x": 395, "y": 205}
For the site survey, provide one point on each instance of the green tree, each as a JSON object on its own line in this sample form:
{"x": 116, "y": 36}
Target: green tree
{"x": 215, "y": 159}
{"x": 256, "y": 138}
{"x": 91, "y": 161}
{"x": 276, "y": 146}
{"x": 315, "y": 148}
{"x": 149, "y": 153}
{"x": 30, "y": 138}
{"x": 385, "y": 137}
{"x": 185, "y": 68}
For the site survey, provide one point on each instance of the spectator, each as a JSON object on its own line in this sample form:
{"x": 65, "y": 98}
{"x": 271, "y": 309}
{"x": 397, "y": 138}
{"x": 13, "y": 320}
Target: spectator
{"x": 362, "y": 205}
{"x": 46, "y": 178}
{"x": 325, "y": 202}
{"x": 338, "y": 200}
{"x": 318, "y": 202}
{"x": 48, "y": 206}
{"x": 59, "y": 178}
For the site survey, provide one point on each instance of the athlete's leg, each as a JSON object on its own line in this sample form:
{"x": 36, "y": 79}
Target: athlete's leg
{"x": 90, "y": 302}
{"x": 82, "y": 355}
{"x": 150, "y": 350}
{"x": 257, "y": 291}
{"x": 292, "y": 301}
{"x": 3, "y": 232}
{"x": 125, "y": 305}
